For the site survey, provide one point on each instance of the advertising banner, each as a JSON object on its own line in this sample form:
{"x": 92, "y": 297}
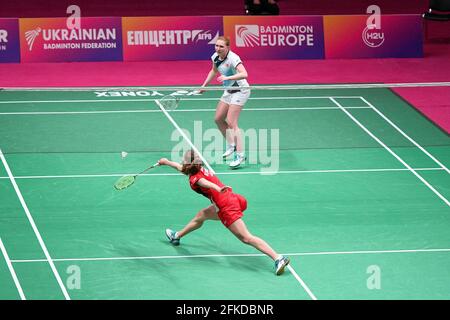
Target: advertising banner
{"x": 9, "y": 40}
{"x": 276, "y": 37}
{"x": 170, "y": 38}
{"x": 51, "y": 40}
{"x": 358, "y": 36}
{"x": 193, "y": 38}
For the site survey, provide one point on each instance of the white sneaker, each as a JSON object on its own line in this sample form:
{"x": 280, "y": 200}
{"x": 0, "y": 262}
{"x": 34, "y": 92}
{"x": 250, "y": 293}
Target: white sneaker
{"x": 237, "y": 160}
{"x": 280, "y": 264}
{"x": 230, "y": 149}
{"x": 173, "y": 237}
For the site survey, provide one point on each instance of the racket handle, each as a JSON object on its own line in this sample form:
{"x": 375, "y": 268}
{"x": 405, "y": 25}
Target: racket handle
{"x": 155, "y": 165}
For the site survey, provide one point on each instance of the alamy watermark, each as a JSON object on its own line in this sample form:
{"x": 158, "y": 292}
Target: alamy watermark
{"x": 73, "y": 281}
{"x": 73, "y": 21}
{"x": 373, "y": 35}
{"x": 261, "y": 146}
{"x": 374, "y": 280}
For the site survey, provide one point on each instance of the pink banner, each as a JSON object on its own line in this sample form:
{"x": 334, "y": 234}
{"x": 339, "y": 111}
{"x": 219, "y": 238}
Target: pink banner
{"x": 276, "y": 37}
{"x": 395, "y": 36}
{"x": 193, "y": 38}
{"x": 170, "y": 38}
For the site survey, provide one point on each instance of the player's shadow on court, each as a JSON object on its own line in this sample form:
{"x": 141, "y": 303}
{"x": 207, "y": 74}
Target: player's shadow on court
{"x": 139, "y": 261}
{"x": 166, "y": 266}
{"x": 218, "y": 255}
{"x": 245, "y": 262}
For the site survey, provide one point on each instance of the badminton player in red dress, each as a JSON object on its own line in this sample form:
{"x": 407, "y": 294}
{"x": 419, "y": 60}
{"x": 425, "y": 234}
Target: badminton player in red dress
{"x": 226, "y": 206}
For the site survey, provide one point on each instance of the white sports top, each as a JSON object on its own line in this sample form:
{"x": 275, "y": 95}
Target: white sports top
{"x": 227, "y": 67}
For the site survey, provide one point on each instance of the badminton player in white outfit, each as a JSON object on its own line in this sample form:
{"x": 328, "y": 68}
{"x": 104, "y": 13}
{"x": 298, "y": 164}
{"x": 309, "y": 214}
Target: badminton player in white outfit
{"x": 232, "y": 74}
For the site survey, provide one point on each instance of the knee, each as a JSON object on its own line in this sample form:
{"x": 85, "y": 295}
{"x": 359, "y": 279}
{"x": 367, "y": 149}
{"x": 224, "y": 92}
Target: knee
{"x": 246, "y": 239}
{"x": 200, "y": 217}
{"x": 219, "y": 120}
{"x": 233, "y": 125}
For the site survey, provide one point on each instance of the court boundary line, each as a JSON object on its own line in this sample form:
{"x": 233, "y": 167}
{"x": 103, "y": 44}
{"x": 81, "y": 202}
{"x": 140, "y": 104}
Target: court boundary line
{"x": 265, "y": 173}
{"x": 302, "y": 283}
{"x": 154, "y": 99}
{"x": 184, "y": 135}
{"x": 304, "y": 286}
{"x": 237, "y": 255}
{"x": 385, "y": 118}
{"x": 12, "y": 271}
{"x": 34, "y": 227}
{"x": 447, "y": 202}
{"x": 158, "y": 111}
{"x": 256, "y": 87}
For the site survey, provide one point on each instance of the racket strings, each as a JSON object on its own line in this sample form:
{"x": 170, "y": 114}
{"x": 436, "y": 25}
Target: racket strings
{"x": 124, "y": 182}
{"x": 169, "y": 102}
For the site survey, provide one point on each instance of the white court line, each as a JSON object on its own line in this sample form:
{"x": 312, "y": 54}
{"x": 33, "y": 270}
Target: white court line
{"x": 152, "y": 100}
{"x": 223, "y": 173}
{"x": 392, "y": 153}
{"x": 184, "y": 136}
{"x": 238, "y": 255}
{"x": 305, "y": 287}
{"x": 33, "y": 225}
{"x": 405, "y": 135}
{"x": 158, "y": 111}
{"x": 302, "y": 283}
{"x": 255, "y": 87}
{"x": 11, "y": 270}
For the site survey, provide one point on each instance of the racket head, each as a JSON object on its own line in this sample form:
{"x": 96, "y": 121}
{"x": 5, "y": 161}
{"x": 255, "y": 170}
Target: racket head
{"x": 124, "y": 182}
{"x": 169, "y": 102}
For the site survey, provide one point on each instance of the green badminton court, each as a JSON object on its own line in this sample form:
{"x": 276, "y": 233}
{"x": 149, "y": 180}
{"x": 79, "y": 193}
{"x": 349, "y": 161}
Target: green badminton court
{"x": 353, "y": 184}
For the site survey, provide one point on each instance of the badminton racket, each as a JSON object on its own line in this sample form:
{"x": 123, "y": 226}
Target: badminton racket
{"x": 127, "y": 181}
{"x": 169, "y": 102}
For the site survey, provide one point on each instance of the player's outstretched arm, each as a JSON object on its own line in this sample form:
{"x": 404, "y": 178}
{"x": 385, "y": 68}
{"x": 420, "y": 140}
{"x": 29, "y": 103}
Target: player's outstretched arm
{"x": 166, "y": 162}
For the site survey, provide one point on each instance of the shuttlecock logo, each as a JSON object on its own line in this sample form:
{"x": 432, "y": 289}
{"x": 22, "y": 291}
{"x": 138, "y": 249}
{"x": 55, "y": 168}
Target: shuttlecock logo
{"x": 247, "y": 35}
{"x": 31, "y": 35}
